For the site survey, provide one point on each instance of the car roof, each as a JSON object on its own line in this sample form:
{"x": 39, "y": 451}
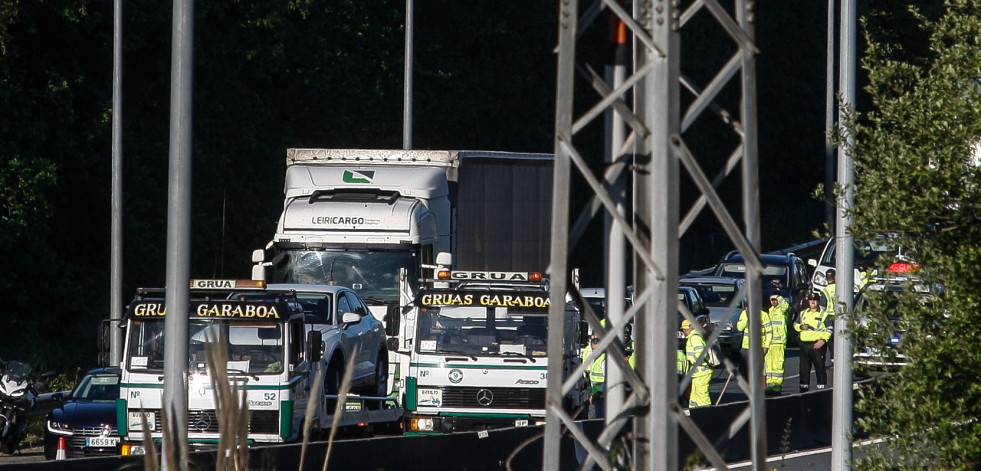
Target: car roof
{"x": 704, "y": 280}
{"x": 104, "y": 370}
{"x": 766, "y": 259}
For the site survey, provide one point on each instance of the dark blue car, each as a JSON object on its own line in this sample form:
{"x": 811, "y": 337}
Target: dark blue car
{"x": 86, "y": 417}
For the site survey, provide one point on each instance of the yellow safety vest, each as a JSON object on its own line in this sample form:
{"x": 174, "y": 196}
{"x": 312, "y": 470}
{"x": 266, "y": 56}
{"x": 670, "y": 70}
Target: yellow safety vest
{"x": 765, "y": 328}
{"x": 778, "y": 322}
{"x": 814, "y": 319}
{"x": 693, "y": 348}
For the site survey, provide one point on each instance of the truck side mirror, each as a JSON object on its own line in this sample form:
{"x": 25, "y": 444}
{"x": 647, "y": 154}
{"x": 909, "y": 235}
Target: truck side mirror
{"x": 314, "y": 342}
{"x": 258, "y": 256}
{"x": 393, "y": 320}
{"x": 444, "y": 258}
{"x": 583, "y": 333}
{"x": 258, "y": 272}
{"x": 812, "y": 262}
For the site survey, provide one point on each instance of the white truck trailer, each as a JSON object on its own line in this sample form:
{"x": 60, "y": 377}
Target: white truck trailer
{"x": 359, "y": 218}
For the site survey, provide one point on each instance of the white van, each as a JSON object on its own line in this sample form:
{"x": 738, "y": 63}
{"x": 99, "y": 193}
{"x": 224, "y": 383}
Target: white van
{"x": 865, "y": 252}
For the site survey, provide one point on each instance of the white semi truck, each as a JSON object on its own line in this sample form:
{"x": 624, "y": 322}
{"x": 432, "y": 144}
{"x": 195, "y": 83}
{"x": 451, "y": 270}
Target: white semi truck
{"x": 478, "y": 353}
{"x": 360, "y": 218}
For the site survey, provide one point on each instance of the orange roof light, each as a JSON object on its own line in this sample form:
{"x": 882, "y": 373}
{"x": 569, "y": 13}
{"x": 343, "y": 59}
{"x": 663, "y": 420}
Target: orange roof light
{"x": 443, "y": 275}
{"x": 534, "y": 276}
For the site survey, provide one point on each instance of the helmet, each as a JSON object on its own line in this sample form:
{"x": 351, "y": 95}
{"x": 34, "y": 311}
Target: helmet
{"x": 813, "y": 296}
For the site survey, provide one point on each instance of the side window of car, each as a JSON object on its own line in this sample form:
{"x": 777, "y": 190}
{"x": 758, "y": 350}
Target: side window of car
{"x": 343, "y": 306}
{"x": 357, "y": 305}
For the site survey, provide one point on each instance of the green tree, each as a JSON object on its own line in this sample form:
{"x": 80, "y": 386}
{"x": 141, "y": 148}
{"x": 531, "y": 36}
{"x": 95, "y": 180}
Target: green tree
{"x": 917, "y": 172}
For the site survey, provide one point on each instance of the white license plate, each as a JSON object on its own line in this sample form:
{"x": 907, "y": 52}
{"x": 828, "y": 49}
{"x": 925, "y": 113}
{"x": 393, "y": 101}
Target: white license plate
{"x": 101, "y": 442}
{"x": 521, "y": 423}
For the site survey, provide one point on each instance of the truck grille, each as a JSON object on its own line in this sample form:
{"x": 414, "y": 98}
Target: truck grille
{"x": 205, "y": 421}
{"x": 511, "y": 398}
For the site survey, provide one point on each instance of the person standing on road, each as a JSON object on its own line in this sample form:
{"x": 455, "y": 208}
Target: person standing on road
{"x": 701, "y": 372}
{"x": 814, "y": 336}
{"x": 774, "y": 359}
{"x": 766, "y": 333}
{"x": 596, "y": 373}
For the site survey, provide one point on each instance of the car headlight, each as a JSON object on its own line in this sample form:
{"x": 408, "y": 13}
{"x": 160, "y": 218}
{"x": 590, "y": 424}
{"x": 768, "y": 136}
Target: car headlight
{"x": 820, "y": 280}
{"x": 59, "y": 428}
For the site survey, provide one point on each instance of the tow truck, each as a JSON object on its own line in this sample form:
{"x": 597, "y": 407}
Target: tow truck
{"x": 273, "y": 349}
{"x": 477, "y": 352}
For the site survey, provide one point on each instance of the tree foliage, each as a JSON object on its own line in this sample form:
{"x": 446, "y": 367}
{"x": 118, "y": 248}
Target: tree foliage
{"x": 294, "y": 73}
{"x": 917, "y": 172}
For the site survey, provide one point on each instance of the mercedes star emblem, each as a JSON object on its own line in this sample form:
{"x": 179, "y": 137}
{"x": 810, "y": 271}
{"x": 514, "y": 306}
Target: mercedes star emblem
{"x": 485, "y": 397}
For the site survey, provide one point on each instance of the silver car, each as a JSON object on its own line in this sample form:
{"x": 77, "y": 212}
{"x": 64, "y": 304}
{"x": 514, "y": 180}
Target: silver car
{"x": 721, "y": 297}
{"x": 349, "y": 331}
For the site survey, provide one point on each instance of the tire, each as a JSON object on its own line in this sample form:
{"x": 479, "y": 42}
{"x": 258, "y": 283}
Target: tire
{"x": 332, "y": 382}
{"x": 380, "y": 388}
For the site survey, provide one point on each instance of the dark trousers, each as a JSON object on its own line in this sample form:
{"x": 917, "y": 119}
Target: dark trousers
{"x": 810, "y": 356}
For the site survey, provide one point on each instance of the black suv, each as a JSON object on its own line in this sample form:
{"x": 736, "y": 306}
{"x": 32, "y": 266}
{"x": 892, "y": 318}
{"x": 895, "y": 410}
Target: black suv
{"x": 785, "y": 272}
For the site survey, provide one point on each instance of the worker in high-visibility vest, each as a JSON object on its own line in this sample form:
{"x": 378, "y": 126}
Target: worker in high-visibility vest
{"x": 814, "y": 336}
{"x": 596, "y": 373}
{"x": 774, "y": 359}
{"x": 766, "y": 334}
{"x": 701, "y": 372}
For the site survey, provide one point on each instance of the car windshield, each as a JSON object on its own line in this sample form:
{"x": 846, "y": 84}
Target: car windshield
{"x": 97, "y": 387}
{"x": 865, "y": 251}
{"x": 716, "y": 294}
{"x": 773, "y": 275}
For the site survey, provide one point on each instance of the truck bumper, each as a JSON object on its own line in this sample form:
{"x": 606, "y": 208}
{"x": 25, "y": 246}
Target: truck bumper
{"x": 416, "y": 424}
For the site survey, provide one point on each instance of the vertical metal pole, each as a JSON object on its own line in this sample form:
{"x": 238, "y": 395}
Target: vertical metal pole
{"x": 751, "y": 213}
{"x": 178, "y": 235}
{"x": 657, "y": 190}
{"x": 829, "y": 118}
{"x": 615, "y": 253}
{"x": 407, "y": 93}
{"x": 116, "y": 239}
{"x": 841, "y": 422}
{"x": 558, "y": 269}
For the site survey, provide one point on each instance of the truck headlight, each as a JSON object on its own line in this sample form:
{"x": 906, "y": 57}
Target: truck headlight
{"x": 421, "y": 425}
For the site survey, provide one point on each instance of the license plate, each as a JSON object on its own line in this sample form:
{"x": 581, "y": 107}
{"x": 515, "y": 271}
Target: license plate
{"x": 101, "y": 442}
{"x": 521, "y": 423}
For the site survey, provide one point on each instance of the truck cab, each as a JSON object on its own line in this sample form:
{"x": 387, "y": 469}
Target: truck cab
{"x": 478, "y": 356}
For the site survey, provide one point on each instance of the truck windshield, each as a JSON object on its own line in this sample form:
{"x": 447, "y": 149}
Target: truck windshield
{"x": 374, "y": 275}
{"x": 482, "y": 331}
{"x": 255, "y": 348}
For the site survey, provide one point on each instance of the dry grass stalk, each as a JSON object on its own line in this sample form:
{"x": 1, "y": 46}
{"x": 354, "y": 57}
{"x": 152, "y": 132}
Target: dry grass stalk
{"x": 231, "y": 412}
{"x": 339, "y": 407}
{"x": 308, "y": 420}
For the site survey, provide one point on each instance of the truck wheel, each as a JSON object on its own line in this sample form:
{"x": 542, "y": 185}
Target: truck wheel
{"x": 381, "y": 381}
{"x": 332, "y": 382}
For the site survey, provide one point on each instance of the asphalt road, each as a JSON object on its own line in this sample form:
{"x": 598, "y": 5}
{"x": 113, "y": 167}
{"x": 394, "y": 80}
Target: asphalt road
{"x": 791, "y": 380}
{"x": 26, "y": 455}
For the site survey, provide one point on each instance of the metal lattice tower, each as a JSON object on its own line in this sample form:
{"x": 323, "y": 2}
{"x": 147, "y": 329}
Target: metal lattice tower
{"x": 657, "y": 106}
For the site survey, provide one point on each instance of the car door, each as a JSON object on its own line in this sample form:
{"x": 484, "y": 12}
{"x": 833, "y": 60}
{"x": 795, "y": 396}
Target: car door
{"x": 350, "y": 341}
{"x": 362, "y": 336}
